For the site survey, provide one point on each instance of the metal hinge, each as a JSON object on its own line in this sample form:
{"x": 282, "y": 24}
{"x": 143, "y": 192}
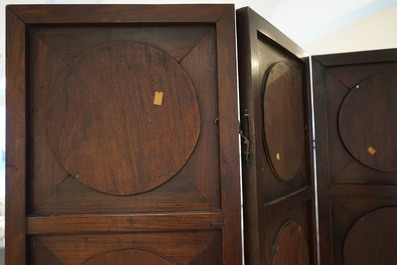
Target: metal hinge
{"x": 245, "y": 141}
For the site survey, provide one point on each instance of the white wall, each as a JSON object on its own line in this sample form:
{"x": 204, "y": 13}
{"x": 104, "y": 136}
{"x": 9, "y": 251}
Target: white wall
{"x": 374, "y": 32}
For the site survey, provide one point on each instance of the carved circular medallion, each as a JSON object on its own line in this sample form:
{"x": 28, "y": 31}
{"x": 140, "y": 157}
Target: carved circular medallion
{"x": 283, "y": 120}
{"x": 132, "y": 257}
{"x": 124, "y": 119}
{"x": 372, "y": 239}
{"x": 368, "y": 122}
{"x": 290, "y": 246}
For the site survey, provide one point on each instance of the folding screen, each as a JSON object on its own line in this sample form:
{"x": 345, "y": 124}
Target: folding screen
{"x": 122, "y": 135}
{"x": 122, "y": 141}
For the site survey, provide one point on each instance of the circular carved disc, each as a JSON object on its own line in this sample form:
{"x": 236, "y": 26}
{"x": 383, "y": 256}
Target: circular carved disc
{"x": 283, "y": 120}
{"x": 131, "y": 257}
{"x": 106, "y": 130}
{"x": 372, "y": 239}
{"x": 368, "y": 122}
{"x": 291, "y": 246}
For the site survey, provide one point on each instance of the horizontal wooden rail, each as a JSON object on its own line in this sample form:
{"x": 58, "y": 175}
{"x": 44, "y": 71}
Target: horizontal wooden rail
{"x": 67, "y": 224}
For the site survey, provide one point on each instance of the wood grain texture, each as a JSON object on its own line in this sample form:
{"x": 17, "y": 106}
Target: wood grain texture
{"x": 269, "y": 202}
{"x": 103, "y": 109}
{"x": 125, "y": 223}
{"x": 228, "y": 136}
{"x": 179, "y": 247}
{"x": 351, "y": 94}
{"x": 199, "y": 58}
{"x": 46, "y": 167}
{"x": 371, "y": 239}
{"x": 291, "y": 246}
{"x": 283, "y": 120}
{"x": 196, "y": 185}
{"x": 70, "y": 42}
{"x": 16, "y": 153}
{"x": 192, "y": 217}
{"x": 371, "y": 138}
{"x": 78, "y": 14}
{"x": 120, "y": 257}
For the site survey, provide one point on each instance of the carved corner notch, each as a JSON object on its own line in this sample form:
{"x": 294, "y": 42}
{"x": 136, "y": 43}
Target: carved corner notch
{"x": 245, "y": 139}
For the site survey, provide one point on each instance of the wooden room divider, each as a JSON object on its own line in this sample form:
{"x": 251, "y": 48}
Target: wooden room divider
{"x": 123, "y": 146}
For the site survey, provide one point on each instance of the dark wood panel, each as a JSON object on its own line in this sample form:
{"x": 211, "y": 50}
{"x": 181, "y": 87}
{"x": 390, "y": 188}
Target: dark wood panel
{"x": 125, "y": 223}
{"x": 94, "y": 119}
{"x": 177, "y": 247}
{"x": 228, "y": 132}
{"x": 61, "y": 194}
{"x": 276, "y": 142}
{"x": 291, "y": 246}
{"x": 93, "y": 14}
{"x": 370, "y": 239}
{"x": 16, "y": 140}
{"x": 355, "y": 118}
{"x": 121, "y": 256}
{"x": 283, "y": 119}
{"x": 113, "y": 103}
{"x": 70, "y": 42}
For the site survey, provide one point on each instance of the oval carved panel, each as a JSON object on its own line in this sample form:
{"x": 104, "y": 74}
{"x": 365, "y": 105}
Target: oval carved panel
{"x": 290, "y": 246}
{"x": 372, "y": 239}
{"x": 124, "y": 119}
{"x": 283, "y": 119}
{"x": 368, "y": 123}
{"x": 131, "y": 257}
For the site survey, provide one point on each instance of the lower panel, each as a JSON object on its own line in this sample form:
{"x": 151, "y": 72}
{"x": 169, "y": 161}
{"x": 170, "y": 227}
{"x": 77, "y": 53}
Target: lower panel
{"x": 195, "y": 248}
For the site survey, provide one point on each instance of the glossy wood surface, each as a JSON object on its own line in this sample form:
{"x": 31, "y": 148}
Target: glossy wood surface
{"x": 119, "y": 258}
{"x": 158, "y": 176}
{"x": 354, "y": 113}
{"x": 374, "y": 99}
{"x": 371, "y": 238}
{"x": 274, "y": 120}
{"x": 291, "y": 246}
{"x": 16, "y": 128}
{"x": 104, "y": 109}
{"x": 283, "y": 119}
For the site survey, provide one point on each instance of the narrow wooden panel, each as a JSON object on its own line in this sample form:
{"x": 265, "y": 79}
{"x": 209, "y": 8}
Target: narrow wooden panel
{"x": 47, "y": 168}
{"x": 276, "y": 143}
{"x": 124, "y": 223}
{"x": 228, "y": 132}
{"x": 77, "y": 14}
{"x": 70, "y": 42}
{"x": 283, "y": 119}
{"x": 16, "y": 140}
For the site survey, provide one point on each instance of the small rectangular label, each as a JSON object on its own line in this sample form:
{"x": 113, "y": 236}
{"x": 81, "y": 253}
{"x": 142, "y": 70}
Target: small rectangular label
{"x": 371, "y": 150}
{"x": 158, "y": 98}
